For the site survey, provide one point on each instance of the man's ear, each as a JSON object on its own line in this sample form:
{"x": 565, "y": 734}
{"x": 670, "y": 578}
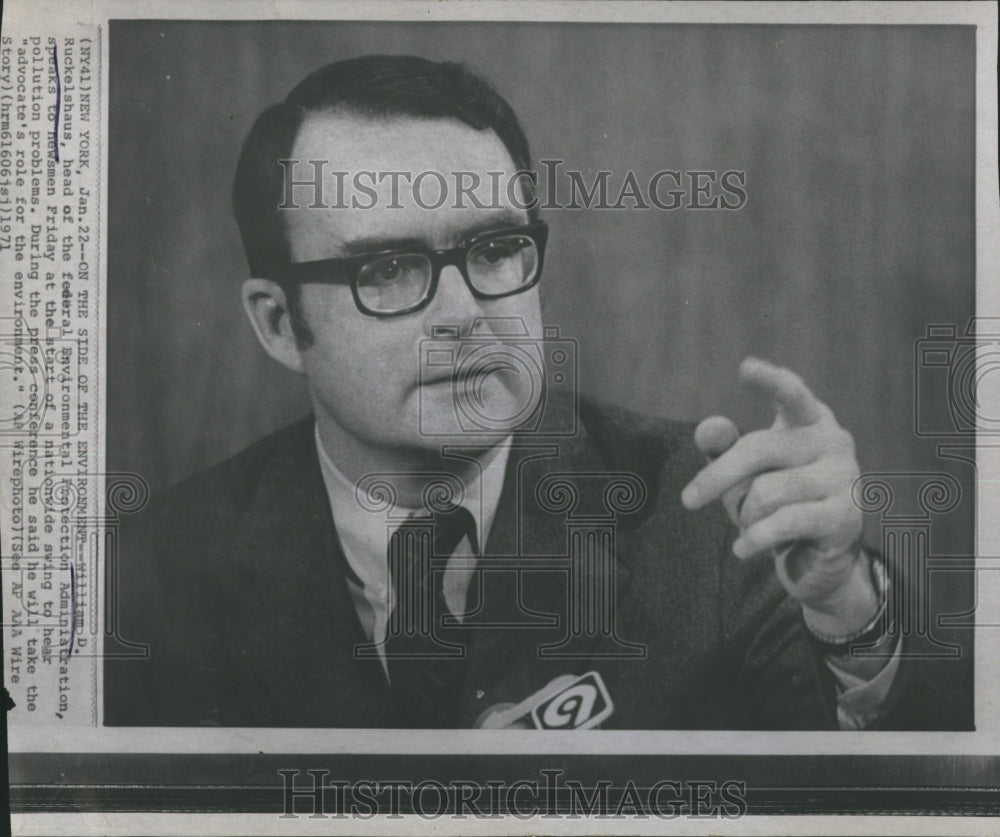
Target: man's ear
{"x": 266, "y": 306}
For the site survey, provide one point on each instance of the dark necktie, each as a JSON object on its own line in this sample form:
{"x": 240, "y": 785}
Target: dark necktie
{"x": 426, "y": 662}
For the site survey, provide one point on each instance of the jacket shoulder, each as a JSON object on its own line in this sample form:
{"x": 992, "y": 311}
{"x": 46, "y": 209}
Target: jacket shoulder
{"x": 176, "y": 591}
{"x": 637, "y": 442}
{"x": 230, "y": 485}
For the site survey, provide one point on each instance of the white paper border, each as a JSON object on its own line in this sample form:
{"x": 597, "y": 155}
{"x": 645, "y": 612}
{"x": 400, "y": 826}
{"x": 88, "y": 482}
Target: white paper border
{"x": 45, "y": 16}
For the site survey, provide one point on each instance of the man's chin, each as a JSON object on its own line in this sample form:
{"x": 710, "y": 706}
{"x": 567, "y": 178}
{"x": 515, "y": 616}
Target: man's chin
{"x": 435, "y": 437}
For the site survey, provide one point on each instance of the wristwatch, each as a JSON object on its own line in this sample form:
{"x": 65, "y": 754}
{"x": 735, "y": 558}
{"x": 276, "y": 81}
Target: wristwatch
{"x": 877, "y": 630}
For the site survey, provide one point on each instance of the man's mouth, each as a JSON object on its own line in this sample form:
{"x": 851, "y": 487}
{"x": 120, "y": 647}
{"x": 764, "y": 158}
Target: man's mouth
{"x": 447, "y": 378}
{"x": 476, "y": 376}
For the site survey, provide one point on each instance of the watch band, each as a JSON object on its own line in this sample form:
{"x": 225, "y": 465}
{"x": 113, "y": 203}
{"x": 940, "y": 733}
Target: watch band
{"x": 876, "y": 630}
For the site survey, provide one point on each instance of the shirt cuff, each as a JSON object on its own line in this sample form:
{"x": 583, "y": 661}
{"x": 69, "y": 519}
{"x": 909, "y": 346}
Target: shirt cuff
{"x": 860, "y": 701}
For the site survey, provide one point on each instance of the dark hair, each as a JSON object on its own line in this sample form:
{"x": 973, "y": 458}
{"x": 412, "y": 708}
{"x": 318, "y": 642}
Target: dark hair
{"x": 373, "y": 86}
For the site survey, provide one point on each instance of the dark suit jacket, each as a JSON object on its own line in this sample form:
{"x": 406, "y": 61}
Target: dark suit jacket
{"x": 236, "y": 582}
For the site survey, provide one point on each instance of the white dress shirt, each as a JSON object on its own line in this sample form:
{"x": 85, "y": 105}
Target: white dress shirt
{"x": 364, "y": 537}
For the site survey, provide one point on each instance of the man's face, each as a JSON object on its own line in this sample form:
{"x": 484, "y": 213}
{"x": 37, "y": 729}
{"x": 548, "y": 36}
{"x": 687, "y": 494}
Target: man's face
{"x": 364, "y": 372}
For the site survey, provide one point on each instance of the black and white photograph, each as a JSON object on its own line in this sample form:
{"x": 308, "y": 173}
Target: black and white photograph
{"x": 519, "y": 449}
{"x": 538, "y": 399}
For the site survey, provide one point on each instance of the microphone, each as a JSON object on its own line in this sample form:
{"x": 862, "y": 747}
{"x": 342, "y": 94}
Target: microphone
{"x": 567, "y": 702}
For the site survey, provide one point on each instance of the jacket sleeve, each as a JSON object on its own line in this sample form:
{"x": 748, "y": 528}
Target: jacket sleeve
{"x": 781, "y": 677}
{"x": 778, "y": 678}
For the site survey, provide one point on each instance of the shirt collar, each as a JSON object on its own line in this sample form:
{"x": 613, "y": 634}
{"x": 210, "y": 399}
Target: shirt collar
{"x": 364, "y": 534}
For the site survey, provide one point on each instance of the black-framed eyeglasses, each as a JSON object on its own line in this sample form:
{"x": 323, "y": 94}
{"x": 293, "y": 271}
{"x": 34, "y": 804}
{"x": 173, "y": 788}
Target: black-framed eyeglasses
{"x": 494, "y": 264}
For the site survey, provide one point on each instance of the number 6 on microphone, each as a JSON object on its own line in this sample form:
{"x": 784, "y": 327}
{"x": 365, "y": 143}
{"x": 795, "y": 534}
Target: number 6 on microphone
{"x": 582, "y": 704}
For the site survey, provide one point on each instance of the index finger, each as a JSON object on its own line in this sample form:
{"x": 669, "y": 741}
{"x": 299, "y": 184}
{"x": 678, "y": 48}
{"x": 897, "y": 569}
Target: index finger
{"x": 792, "y": 399}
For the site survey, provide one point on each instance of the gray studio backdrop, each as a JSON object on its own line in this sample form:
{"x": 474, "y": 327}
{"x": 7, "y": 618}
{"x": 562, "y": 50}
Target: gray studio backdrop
{"x": 858, "y": 231}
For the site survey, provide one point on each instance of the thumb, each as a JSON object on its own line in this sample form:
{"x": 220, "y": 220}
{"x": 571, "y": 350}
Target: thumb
{"x": 715, "y": 435}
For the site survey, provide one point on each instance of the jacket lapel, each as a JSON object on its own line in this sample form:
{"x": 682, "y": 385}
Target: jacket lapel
{"x": 522, "y": 639}
{"x": 296, "y": 624}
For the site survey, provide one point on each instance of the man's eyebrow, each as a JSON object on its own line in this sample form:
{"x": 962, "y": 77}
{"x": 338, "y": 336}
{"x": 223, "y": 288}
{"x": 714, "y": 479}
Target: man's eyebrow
{"x": 500, "y": 221}
{"x": 377, "y": 244}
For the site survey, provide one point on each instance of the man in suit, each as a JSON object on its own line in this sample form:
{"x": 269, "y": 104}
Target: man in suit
{"x": 309, "y": 580}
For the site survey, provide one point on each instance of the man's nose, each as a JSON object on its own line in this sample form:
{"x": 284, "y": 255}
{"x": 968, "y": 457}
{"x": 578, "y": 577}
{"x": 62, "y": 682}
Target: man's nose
{"x": 454, "y": 303}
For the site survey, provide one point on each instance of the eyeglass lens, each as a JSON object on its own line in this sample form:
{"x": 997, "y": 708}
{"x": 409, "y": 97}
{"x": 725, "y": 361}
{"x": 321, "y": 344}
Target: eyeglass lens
{"x": 495, "y": 267}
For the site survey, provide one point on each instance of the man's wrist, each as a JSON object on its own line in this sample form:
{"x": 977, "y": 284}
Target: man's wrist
{"x": 856, "y": 610}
